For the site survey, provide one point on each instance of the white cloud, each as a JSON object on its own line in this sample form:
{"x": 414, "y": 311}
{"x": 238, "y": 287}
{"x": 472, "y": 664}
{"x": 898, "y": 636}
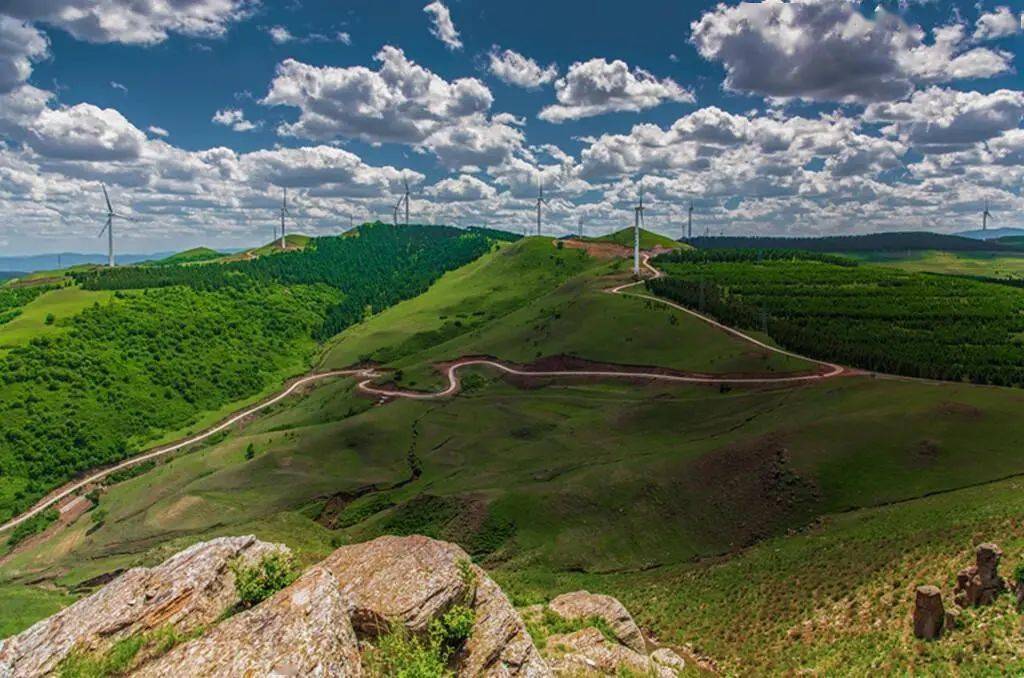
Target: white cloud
{"x": 343, "y": 37}
{"x": 20, "y": 46}
{"x": 442, "y": 26}
{"x": 400, "y": 102}
{"x": 516, "y": 69}
{"x": 235, "y": 119}
{"x": 132, "y": 21}
{"x": 84, "y": 132}
{"x": 940, "y": 120}
{"x": 158, "y": 131}
{"x": 598, "y": 86}
{"x": 999, "y": 23}
{"x": 463, "y": 188}
{"x": 280, "y": 35}
{"x": 117, "y": 85}
{"x": 827, "y": 50}
{"x": 333, "y": 171}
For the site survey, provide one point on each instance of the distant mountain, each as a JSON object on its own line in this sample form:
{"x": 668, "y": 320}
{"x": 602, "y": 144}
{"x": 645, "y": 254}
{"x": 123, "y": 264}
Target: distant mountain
{"x": 7, "y": 275}
{"x": 45, "y": 262}
{"x": 872, "y": 242}
{"x": 992, "y": 233}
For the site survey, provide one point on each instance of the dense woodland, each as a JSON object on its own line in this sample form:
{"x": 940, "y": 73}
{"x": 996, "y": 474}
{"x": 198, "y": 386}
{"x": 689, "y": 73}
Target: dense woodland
{"x": 751, "y": 256}
{"x": 916, "y": 324}
{"x": 874, "y": 242}
{"x": 13, "y": 298}
{"x": 177, "y": 341}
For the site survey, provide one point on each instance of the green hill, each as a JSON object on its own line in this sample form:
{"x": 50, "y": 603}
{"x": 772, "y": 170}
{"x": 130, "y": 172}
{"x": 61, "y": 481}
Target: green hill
{"x": 648, "y": 239}
{"x": 293, "y": 241}
{"x": 196, "y": 254}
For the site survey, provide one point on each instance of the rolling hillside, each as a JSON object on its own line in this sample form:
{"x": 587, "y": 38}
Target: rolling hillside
{"x": 521, "y": 473}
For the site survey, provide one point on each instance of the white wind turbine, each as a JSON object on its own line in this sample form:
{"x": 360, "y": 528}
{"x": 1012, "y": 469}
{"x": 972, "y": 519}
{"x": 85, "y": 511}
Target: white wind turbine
{"x": 985, "y": 216}
{"x": 109, "y": 227}
{"x": 404, "y": 200}
{"x": 540, "y": 199}
{"x": 284, "y": 213}
{"x": 638, "y": 221}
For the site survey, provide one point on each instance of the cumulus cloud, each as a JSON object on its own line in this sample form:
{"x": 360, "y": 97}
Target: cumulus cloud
{"x": 130, "y": 21}
{"x": 939, "y": 120}
{"x": 84, "y": 132}
{"x": 515, "y": 69}
{"x": 334, "y": 171}
{"x": 442, "y": 27}
{"x": 599, "y": 86}
{"x": 464, "y": 188}
{"x": 280, "y": 35}
{"x": 399, "y": 102}
{"x": 999, "y": 23}
{"x": 20, "y": 45}
{"x": 826, "y": 50}
{"x": 235, "y": 119}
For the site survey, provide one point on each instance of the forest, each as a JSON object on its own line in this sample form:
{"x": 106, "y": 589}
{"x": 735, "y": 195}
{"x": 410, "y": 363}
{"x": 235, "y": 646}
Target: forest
{"x": 177, "y": 341}
{"x": 880, "y": 319}
{"x": 872, "y": 242}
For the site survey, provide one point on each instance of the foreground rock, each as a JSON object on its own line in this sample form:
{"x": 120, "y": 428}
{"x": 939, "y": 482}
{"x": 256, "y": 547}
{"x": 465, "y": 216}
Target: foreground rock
{"x": 189, "y": 590}
{"x": 585, "y": 605}
{"x": 322, "y": 622}
{"x": 303, "y": 630}
{"x": 929, "y": 614}
{"x": 414, "y": 580}
{"x": 980, "y": 583}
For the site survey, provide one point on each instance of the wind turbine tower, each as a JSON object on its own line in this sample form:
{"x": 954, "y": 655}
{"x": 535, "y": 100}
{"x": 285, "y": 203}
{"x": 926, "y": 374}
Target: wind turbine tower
{"x": 109, "y": 227}
{"x": 284, "y": 213}
{"x": 689, "y": 222}
{"x": 406, "y": 199}
{"x": 638, "y": 220}
{"x": 540, "y": 199}
{"x": 985, "y": 216}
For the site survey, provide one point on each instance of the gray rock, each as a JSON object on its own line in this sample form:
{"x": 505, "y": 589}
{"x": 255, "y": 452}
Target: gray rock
{"x": 583, "y": 605}
{"x": 188, "y": 590}
{"x": 929, "y": 615}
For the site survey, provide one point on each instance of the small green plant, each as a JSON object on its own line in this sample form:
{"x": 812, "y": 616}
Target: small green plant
{"x": 1018, "y": 574}
{"x": 250, "y": 451}
{"x": 121, "y": 657}
{"x": 49, "y": 319}
{"x": 399, "y": 654}
{"x": 256, "y": 583}
{"x": 550, "y": 623}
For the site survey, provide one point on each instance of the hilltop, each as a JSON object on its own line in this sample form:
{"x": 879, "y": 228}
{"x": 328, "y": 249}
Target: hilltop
{"x": 194, "y": 255}
{"x": 648, "y": 239}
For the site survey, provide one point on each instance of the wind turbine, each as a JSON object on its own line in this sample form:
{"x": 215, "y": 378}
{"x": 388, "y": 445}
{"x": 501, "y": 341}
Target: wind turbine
{"x": 284, "y": 213}
{"x": 985, "y": 216}
{"x": 406, "y": 198}
{"x": 638, "y": 220}
{"x": 689, "y": 222}
{"x": 109, "y": 227}
{"x": 540, "y": 198}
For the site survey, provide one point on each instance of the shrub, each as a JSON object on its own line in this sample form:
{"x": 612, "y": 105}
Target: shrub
{"x": 402, "y": 655}
{"x": 256, "y": 583}
{"x": 250, "y": 451}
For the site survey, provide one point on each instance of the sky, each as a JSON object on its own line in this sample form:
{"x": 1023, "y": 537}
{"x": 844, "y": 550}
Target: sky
{"x": 800, "y": 117}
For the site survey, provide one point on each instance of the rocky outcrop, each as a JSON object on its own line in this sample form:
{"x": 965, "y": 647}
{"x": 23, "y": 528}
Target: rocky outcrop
{"x": 980, "y": 583}
{"x": 323, "y": 622}
{"x": 303, "y": 630}
{"x": 586, "y": 605}
{"x": 929, "y": 614}
{"x": 189, "y": 590}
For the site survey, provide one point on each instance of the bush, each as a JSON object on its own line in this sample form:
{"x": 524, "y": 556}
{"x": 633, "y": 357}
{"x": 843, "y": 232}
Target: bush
{"x": 33, "y": 525}
{"x": 250, "y": 451}
{"x": 401, "y": 655}
{"x": 256, "y": 583}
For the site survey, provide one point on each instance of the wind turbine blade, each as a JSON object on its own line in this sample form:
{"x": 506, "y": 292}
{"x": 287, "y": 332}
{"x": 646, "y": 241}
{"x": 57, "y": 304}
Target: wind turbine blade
{"x": 104, "y": 229}
{"x": 107, "y": 198}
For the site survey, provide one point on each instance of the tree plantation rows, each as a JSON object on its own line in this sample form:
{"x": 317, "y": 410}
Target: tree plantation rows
{"x": 178, "y": 341}
{"x": 875, "y": 318}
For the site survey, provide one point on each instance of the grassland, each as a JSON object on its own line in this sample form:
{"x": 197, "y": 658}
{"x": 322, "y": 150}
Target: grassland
{"x": 986, "y": 264}
{"x": 62, "y": 304}
{"x": 192, "y": 256}
{"x": 648, "y": 239}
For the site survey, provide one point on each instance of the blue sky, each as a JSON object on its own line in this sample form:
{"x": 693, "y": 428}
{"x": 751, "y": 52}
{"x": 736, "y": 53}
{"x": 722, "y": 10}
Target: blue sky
{"x": 804, "y": 117}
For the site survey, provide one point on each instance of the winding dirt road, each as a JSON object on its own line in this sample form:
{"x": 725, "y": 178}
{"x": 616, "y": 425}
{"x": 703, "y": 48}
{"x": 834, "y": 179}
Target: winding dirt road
{"x": 368, "y": 376}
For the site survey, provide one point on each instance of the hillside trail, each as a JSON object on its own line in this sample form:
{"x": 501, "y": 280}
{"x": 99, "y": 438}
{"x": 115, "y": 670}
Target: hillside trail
{"x": 367, "y": 376}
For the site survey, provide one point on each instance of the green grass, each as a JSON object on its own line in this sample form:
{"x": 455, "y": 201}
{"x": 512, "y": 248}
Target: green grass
{"x": 63, "y": 304}
{"x": 293, "y": 240}
{"x": 22, "y": 606}
{"x": 648, "y": 239}
{"x": 194, "y": 255}
{"x": 988, "y": 264}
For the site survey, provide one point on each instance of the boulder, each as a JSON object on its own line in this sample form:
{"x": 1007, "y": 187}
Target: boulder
{"x": 413, "y": 580}
{"x": 980, "y": 583}
{"x": 188, "y": 590}
{"x": 666, "y": 658}
{"x": 929, "y": 615}
{"x": 588, "y": 652}
{"x": 303, "y": 630}
{"x": 500, "y": 644}
{"x": 404, "y": 580}
{"x": 584, "y": 605}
